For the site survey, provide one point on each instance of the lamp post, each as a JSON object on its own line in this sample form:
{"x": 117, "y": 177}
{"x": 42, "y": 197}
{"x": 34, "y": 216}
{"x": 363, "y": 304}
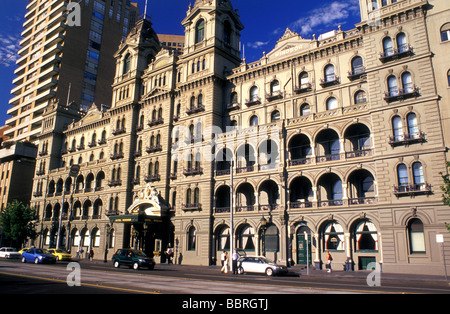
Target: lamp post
{"x": 231, "y": 212}
{"x": 263, "y": 222}
{"x": 108, "y": 231}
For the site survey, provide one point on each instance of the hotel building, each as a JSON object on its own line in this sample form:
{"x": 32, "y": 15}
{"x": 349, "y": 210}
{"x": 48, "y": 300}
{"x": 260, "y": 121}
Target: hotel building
{"x": 337, "y": 143}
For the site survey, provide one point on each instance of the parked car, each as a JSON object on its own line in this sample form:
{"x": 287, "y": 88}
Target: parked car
{"x": 38, "y": 256}
{"x": 132, "y": 258}
{"x": 23, "y": 250}
{"x": 260, "y": 264}
{"x": 9, "y": 252}
{"x": 61, "y": 255}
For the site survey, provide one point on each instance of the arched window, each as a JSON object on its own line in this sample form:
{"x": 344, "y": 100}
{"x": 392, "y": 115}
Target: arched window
{"x": 330, "y": 74}
{"x": 388, "y": 50}
{"x": 254, "y": 93}
{"x": 271, "y": 239}
{"x": 413, "y": 129}
{"x": 360, "y": 97}
{"x": 275, "y": 116}
{"x": 397, "y": 128}
{"x": 227, "y": 33}
{"x": 402, "y": 45}
{"x": 200, "y": 31}
{"x": 188, "y": 196}
{"x": 274, "y": 87}
{"x": 407, "y": 83}
{"x": 392, "y": 86}
{"x": 333, "y": 237}
{"x": 416, "y": 236}
{"x": 445, "y": 32}
{"x": 233, "y": 98}
{"x": 246, "y": 238}
{"x": 196, "y": 196}
{"x": 357, "y": 65}
{"x": 126, "y": 64}
{"x": 402, "y": 173}
{"x": 366, "y": 236}
{"x": 305, "y": 109}
{"x": 332, "y": 103}
{"x": 448, "y": 78}
{"x": 418, "y": 173}
{"x": 254, "y": 121}
{"x": 200, "y": 100}
{"x": 191, "y": 239}
{"x": 303, "y": 78}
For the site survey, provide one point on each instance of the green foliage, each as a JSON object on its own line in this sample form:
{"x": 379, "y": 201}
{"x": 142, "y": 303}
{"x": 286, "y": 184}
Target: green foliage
{"x": 18, "y": 222}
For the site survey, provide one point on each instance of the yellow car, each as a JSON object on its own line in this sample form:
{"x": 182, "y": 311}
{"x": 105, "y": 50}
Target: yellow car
{"x": 23, "y": 250}
{"x": 60, "y": 254}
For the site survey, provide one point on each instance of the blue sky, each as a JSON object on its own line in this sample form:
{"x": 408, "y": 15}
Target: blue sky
{"x": 265, "y": 22}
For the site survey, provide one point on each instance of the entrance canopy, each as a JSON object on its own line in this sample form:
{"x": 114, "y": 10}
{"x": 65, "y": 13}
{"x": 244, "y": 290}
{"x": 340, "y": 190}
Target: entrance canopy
{"x": 146, "y": 208}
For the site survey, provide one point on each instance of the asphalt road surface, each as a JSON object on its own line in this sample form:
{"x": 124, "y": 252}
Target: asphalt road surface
{"x": 99, "y": 278}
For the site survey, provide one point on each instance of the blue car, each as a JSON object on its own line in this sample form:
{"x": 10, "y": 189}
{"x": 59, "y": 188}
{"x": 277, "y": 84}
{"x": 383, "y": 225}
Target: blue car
{"x": 38, "y": 256}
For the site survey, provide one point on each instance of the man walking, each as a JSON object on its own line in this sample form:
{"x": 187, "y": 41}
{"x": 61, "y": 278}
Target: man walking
{"x": 235, "y": 258}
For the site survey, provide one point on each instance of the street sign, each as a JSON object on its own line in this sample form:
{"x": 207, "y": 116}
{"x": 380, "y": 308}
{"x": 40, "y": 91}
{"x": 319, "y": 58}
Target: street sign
{"x": 74, "y": 169}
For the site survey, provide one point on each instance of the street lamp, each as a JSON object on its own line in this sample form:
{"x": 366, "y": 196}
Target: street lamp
{"x": 108, "y": 231}
{"x": 263, "y": 222}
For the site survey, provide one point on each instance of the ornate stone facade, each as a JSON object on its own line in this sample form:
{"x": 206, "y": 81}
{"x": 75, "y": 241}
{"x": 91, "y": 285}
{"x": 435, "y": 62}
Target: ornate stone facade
{"x": 340, "y": 138}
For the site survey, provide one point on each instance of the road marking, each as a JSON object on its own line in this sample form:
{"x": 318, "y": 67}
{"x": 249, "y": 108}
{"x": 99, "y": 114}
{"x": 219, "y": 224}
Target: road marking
{"x": 83, "y": 283}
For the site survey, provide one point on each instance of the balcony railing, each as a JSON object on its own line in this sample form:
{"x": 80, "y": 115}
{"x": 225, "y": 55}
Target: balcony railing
{"x": 401, "y": 94}
{"x": 303, "y": 88}
{"x": 192, "y": 171}
{"x": 330, "y": 80}
{"x": 394, "y": 54}
{"x": 155, "y": 122}
{"x": 118, "y": 131}
{"x": 116, "y": 156}
{"x": 274, "y": 96}
{"x": 195, "y": 109}
{"x": 191, "y": 206}
{"x": 406, "y": 139}
{"x": 255, "y": 100}
{"x": 412, "y": 189}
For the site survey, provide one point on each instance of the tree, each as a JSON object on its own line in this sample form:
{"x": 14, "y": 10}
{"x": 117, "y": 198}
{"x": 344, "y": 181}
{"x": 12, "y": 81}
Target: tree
{"x": 18, "y": 222}
{"x": 446, "y": 189}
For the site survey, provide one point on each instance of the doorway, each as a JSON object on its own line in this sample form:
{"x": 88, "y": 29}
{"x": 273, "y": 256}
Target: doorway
{"x": 303, "y": 245}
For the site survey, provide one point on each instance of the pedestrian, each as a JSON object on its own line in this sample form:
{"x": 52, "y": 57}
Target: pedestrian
{"x": 169, "y": 255}
{"x": 225, "y": 264}
{"x": 329, "y": 259}
{"x": 222, "y": 258}
{"x": 91, "y": 254}
{"x": 235, "y": 262}
{"x": 80, "y": 252}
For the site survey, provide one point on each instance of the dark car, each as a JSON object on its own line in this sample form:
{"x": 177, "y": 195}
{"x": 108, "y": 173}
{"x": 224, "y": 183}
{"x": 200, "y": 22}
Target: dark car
{"x": 132, "y": 258}
{"x": 38, "y": 256}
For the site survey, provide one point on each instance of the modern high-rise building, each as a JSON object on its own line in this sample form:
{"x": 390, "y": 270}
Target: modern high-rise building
{"x": 334, "y": 143}
{"x": 62, "y": 62}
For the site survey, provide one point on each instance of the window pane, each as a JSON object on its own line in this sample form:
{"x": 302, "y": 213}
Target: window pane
{"x": 418, "y": 173}
{"x": 402, "y": 175}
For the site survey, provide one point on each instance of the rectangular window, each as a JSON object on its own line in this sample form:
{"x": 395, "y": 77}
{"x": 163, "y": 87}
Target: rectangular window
{"x": 93, "y": 55}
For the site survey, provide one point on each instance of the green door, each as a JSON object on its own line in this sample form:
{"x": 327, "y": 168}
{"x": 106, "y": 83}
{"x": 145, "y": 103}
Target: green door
{"x": 302, "y": 248}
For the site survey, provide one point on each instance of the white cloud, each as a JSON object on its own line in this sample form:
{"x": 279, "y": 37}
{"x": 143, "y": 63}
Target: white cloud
{"x": 9, "y": 46}
{"x": 257, "y": 44}
{"x": 325, "y": 16}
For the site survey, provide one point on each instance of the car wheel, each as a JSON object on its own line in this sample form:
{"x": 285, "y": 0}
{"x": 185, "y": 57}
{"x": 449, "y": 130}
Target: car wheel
{"x": 24, "y": 260}
{"x": 269, "y": 271}
{"x": 136, "y": 265}
{"x": 116, "y": 264}
{"x": 36, "y": 260}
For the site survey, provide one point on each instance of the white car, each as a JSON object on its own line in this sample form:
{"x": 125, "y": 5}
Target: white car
{"x": 259, "y": 264}
{"x": 9, "y": 252}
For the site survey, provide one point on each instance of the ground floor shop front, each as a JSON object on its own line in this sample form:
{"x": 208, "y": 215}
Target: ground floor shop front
{"x": 395, "y": 239}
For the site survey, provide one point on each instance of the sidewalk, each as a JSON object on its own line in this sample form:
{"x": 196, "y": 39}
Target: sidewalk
{"x": 297, "y": 270}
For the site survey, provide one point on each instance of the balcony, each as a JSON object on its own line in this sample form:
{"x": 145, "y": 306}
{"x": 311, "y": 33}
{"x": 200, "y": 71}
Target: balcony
{"x": 303, "y": 88}
{"x": 274, "y": 96}
{"x": 233, "y": 106}
{"x": 401, "y": 94}
{"x": 153, "y": 149}
{"x": 195, "y": 109}
{"x": 193, "y": 171}
{"x": 255, "y": 100}
{"x": 395, "y": 54}
{"x": 413, "y": 189}
{"x": 357, "y": 73}
{"x": 154, "y": 122}
{"x": 118, "y": 131}
{"x": 330, "y": 80}
{"x": 192, "y": 206}
{"x": 407, "y": 139}
{"x": 112, "y": 183}
{"x": 152, "y": 178}
{"x": 116, "y": 156}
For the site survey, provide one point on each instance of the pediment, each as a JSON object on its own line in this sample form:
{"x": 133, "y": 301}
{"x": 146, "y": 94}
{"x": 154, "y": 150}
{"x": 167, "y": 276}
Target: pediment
{"x": 290, "y": 44}
{"x": 92, "y": 114}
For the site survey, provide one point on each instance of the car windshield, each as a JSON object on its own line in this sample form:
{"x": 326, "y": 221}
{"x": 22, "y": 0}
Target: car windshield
{"x": 139, "y": 253}
{"x": 60, "y": 251}
{"x": 266, "y": 260}
{"x": 40, "y": 251}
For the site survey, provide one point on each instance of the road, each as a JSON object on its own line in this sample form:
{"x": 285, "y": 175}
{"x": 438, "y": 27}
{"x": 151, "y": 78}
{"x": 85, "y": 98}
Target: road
{"x": 18, "y": 278}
